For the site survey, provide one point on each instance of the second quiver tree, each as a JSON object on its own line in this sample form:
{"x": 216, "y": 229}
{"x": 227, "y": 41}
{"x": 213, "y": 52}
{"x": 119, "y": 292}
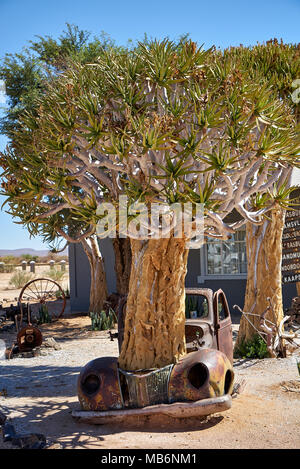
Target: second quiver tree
{"x": 278, "y": 65}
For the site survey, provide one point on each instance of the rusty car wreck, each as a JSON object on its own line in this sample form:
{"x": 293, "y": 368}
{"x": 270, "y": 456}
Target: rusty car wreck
{"x": 201, "y": 383}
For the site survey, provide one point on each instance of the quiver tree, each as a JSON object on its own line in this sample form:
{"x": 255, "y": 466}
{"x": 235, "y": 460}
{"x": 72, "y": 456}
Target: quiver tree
{"x": 278, "y": 65}
{"x": 163, "y": 124}
{"x": 123, "y": 257}
{"x": 26, "y": 75}
{"x": 264, "y": 286}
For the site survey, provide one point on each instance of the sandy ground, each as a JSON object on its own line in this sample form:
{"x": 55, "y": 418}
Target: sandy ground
{"x": 41, "y": 394}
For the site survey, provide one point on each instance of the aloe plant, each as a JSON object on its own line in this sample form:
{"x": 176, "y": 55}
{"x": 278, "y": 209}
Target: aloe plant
{"x": 44, "y": 316}
{"x": 103, "y": 321}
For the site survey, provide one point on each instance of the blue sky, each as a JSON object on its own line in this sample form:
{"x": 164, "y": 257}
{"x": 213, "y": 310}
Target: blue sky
{"x": 219, "y": 22}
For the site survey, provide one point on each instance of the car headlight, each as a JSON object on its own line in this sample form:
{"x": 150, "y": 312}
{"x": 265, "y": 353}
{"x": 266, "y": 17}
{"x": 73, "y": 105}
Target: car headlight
{"x": 201, "y": 375}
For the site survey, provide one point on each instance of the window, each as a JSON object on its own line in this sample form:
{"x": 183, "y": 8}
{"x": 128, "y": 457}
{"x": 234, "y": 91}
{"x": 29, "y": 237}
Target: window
{"x": 196, "y": 306}
{"x": 227, "y": 257}
{"x": 222, "y": 307}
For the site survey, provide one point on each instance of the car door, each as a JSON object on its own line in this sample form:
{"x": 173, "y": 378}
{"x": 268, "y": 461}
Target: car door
{"x": 223, "y": 326}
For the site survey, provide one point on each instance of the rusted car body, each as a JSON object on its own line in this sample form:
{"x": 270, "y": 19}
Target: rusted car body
{"x": 212, "y": 328}
{"x": 200, "y": 383}
{"x": 204, "y": 377}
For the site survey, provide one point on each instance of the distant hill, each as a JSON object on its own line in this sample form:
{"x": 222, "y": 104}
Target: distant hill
{"x": 32, "y": 252}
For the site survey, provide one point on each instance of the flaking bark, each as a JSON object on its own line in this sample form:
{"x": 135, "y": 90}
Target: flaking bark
{"x": 264, "y": 254}
{"x": 122, "y": 252}
{"x": 155, "y": 315}
{"x": 98, "y": 288}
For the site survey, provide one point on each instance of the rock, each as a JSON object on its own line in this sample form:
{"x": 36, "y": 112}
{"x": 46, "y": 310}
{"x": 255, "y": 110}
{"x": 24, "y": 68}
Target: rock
{"x": 49, "y": 342}
{"x": 29, "y": 441}
{"x": 22, "y": 440}
{"x": 8, "y": 432}
{"x": 53, "y": 445}
{"x": 2, "y": 418}
{"x": 3, "y": 392}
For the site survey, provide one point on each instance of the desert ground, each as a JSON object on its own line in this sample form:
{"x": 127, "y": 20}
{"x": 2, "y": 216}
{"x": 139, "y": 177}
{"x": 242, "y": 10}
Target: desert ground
{"x": 38, "y": 394}
{"x": 9, "y": 294}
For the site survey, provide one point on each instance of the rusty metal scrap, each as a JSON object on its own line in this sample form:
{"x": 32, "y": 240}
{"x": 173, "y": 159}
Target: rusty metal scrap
{"x": 28, "y": 338}
{"x": 201, "y": 332}
{"x": 147, "y": 388}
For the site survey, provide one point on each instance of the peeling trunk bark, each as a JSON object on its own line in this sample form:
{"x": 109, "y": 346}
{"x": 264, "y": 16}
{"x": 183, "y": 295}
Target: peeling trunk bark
{"x": 154, "y": 334}
{"x": 264, "y": 254}
{"x": 122, "y": 252}
{"x": 98, "y": 289}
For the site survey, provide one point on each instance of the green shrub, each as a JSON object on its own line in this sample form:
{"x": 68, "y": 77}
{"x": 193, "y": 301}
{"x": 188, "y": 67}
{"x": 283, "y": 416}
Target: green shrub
{"x": 254, "y": 348}
{"x": 55, "y": 274}
{"x": 7, "y": 268}
{"x": 29, "y": 258}
{"x": 44, "y": 314}
{"x": 19, "y": 279}
{"x": 103, "y": 321}
{"x": 9, "y": 259}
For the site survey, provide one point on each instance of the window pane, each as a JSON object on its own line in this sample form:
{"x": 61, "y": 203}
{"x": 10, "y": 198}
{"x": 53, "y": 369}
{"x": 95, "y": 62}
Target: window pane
{"x": 196, "y": 306}
{"x": 243, "y": 258}
{"x": 227, "y": 257}
{"x": 230, "y": 258}
{"x": 214, "y": 264}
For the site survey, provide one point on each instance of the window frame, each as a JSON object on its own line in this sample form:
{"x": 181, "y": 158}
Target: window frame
{"x": 204, "y": 275}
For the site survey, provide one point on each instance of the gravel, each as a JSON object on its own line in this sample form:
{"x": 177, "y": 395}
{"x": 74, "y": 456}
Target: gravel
{"x": 39, "y": 393}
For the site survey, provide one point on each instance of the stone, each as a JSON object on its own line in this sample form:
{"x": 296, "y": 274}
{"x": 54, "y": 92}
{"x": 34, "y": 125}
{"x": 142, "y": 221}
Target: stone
{"x": 29, "y": 441}
{"x": 2, "y": 418}
{"x": 49, "y": 342}
{"x": 8, "y": 432}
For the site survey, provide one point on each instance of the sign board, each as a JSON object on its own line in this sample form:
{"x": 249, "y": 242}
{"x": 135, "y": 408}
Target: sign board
{"x": 290, "y": 266}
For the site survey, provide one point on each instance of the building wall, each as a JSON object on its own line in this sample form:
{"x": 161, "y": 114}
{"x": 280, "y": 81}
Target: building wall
{"x": 80, "y": 277}
{"x": 233, "y": 287}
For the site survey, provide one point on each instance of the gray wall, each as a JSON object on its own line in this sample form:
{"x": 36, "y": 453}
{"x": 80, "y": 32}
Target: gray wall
{"x": 80, "y": 278}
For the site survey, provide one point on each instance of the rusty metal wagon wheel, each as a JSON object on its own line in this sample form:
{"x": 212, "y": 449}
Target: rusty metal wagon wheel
{"x": 43, "y": 291}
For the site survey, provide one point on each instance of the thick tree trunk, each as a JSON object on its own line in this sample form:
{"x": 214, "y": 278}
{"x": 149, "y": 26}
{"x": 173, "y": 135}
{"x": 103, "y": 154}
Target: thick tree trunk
{"x": 98, "y": 289}
{"x": 154, "y": 333}
{"x": 122, "y": 252}
{"x": 264, "y": 253}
